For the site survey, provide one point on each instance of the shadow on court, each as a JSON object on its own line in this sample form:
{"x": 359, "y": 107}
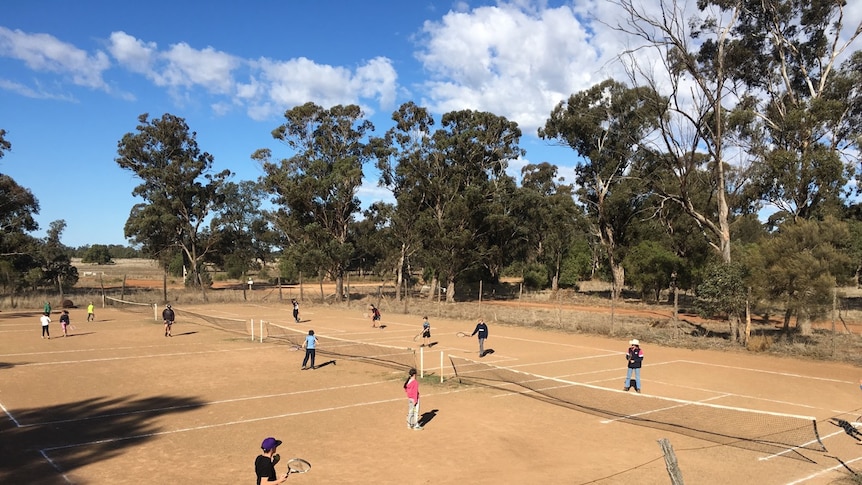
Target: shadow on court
{"x": 427, "y": 417}
{"x": 329, "y": 362}
{"x": 76, "y": 434}
{"x": 184, "y": 333}
{"x": 487, "y": 352}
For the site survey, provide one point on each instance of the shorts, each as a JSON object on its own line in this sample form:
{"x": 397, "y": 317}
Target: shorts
{"x": 426, "y": 333}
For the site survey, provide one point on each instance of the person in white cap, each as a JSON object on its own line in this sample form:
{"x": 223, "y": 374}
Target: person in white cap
{"x": 634, "y": 356}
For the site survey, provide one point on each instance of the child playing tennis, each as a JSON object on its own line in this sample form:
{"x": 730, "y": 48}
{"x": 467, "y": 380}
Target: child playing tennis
{"x": 264, "y": 464}
{"x": 64, "y": 321}
{"x": 426, "y": 332}
{"x": 411, "y": 388}
{"x": 375, "y": 316}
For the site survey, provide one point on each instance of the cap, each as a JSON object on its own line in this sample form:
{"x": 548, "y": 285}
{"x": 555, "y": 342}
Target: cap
{"x": 270, "y": 443}
{"x": 168, "y": 305}
{"x": 634, "y": 341}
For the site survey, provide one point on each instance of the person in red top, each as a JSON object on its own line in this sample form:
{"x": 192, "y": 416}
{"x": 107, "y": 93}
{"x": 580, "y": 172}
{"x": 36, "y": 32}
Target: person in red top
{"x": 411, "y": 387}
{"x": 634, "y": 356}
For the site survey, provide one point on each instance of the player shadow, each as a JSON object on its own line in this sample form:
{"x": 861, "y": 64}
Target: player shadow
{"x": 429, "y": 345}
{"x": 6, "y": 365}
{"x": 487, "y": 352}
{"x": 427, "y": 417}
{"x": 381, "y": 326}
{"x": 76, "y": 334}
{"x": 329, "y": 362}
{"x": 109, "y": 426}
{"x": 185, "y": 333}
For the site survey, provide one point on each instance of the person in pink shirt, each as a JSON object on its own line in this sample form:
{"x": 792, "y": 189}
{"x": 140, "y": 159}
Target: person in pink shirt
{"x": 411, "y": 387}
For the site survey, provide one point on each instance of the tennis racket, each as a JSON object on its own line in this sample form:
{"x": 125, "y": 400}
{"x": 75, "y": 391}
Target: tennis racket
{"x": 462, "y": 334}
{"x": 418, "y": 336}
{"x": 294, "y": 348}
{"x": 297, "y": 465}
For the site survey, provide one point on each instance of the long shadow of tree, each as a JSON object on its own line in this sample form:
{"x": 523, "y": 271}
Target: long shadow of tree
{"x": 75, "y": 434}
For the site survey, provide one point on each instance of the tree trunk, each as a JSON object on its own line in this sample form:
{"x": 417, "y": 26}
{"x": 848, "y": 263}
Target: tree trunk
{"x": 434, "y": 290}
{"x": 803, "y": 322}
{"x": 399, "y": 272}
{"x": 787, "y": 314}
{"x": 339, "y": 287}
{"x": 450, "y": 291}
{"x": 619, "y": 275}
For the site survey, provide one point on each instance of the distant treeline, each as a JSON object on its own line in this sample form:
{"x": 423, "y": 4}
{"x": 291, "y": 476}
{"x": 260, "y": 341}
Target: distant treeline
{"x": 115, "y": 251}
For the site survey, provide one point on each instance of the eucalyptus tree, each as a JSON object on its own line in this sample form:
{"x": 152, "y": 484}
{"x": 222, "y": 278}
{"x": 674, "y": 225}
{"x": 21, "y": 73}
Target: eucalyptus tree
{"x": 605, "y": 126}
{"x": 178, "y": 186}
{"x": 799, "y": 113}
{"x": 56, "y": 263}
{"x": 453, "y": 179}
{"x": 549, "y": 216}
{"x": 402, "y": 155}
{"x": 246, "y": 240}
{"x": 315, "y": 187}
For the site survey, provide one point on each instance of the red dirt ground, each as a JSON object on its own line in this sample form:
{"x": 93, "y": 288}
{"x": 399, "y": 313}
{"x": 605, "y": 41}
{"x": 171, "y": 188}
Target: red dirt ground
{"x": 120, "y": 403}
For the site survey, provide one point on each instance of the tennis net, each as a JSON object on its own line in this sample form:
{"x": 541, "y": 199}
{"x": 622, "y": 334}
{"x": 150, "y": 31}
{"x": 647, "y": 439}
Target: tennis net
{"x": 232, "y": 325}
{"x": 385, "y": 355}
{"x": 761, "y": 431}
{"x": 132, "y": 306}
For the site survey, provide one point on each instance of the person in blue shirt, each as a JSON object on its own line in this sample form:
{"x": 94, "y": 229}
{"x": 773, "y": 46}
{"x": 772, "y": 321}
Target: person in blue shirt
{"x": 310, "y": 347}
{"x": 426, "y": 332}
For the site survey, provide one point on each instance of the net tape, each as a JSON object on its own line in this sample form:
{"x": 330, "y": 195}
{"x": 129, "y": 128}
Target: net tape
{"x": 761, "y": 431}
{"x": 402, "y": 358}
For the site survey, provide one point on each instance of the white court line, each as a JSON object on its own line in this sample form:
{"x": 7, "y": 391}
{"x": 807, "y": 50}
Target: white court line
{"x": 17, "y": 424}
{"x": 200, "y": 405}
{"x": 108, "y": 359}
{"x": 95, "y": 350}
{"x": 51, "y": 462}
{"x": 786, "y": 374}
{"x": 549, "y": 342}
{"x": 661, "y": 409}
{"x": 802, "y": 446}
{"x": 231, "y": 423}
{"x": 822, "y": 472}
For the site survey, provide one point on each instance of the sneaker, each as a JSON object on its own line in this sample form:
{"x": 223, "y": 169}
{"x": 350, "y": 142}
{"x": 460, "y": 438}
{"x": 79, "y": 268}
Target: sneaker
{"x": 627, "y": 388}
{"x": 417, "y": 427}
{"x": 304, "y": 368}
{"x": 638, "y": 390}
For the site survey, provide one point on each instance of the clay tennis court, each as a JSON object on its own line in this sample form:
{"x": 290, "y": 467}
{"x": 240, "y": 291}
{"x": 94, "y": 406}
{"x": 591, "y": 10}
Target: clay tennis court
{"x": 120, "y": 403}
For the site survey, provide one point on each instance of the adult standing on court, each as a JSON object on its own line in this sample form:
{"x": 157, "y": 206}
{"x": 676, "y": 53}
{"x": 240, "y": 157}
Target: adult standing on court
{"x": 310, "y": 349}
{"x": 635, "y": 357}
{"x": 426, "y": 332}
{"x": 482, "y": 330}
{"x": 295, "y": 309}
{"x": 64, "y": 322}
{"x": 91, "y": 312}
{"x": 411, "y": 388}
{"x": 264, "y": 464}
{"x": 168, "y": 317}
{"x": 46, "y": 320}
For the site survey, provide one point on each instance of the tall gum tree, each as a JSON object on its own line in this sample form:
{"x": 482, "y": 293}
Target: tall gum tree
{"x": 178, "y": 186}
{"x": 605, "y": 126}
{"x": 316, "y": 186}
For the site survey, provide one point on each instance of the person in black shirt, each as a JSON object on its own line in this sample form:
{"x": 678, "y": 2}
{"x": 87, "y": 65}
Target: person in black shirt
{"x": 482, "y": 330}
{"x": 264, "y": 464}
{"x": 168, "y": 317}
{"x": 635, "y": 357}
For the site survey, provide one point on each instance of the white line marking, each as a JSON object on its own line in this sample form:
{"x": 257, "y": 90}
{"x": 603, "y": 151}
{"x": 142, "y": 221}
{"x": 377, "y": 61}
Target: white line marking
{"x": 786, "y": 374}
{"x": 822, "y": 472}
{"x": 108, "y": 359}
{"x": 17, "y": 424}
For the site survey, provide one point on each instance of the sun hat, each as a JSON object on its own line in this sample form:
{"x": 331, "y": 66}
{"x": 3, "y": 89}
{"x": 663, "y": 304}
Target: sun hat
{"x": 270, "y": 443}
{"x": 634, "y": 341}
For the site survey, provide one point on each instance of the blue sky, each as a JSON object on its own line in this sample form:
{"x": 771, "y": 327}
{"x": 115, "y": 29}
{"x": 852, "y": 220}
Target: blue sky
{"x": 74, "y": 77}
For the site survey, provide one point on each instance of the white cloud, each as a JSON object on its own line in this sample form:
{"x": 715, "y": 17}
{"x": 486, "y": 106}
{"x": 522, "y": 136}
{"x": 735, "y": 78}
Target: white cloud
{"x": 44, "y": 52}
{"x": 134, "y": 54}
{"x": 29, "y": 92}
{"x": 516, "y": 59}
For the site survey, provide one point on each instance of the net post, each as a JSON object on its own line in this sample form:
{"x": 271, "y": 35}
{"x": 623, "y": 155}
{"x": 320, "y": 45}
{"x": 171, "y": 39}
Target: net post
{"x": 252, "y": 329}
{"x": 441, "y": 367}
{"x": 156, "y": 312}
{"x": 421, "y": 362}
{"x": 261, "y": 331}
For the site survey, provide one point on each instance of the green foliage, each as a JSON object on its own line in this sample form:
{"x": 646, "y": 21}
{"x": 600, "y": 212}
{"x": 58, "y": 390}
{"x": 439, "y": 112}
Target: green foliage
{"x": 722, "y": 291}
{"x": 97, "y": 254}
{"x": 577, "y": 265}
{"x": 175, "y": 265}
{"x": 650, "y": 267}
{"x": 535, "y": 275}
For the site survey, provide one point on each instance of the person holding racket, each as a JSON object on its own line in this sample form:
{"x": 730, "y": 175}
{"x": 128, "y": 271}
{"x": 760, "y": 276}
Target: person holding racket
{"x": 168, "y": 316}
{"x": 295, "y": 309}
{"x": 310, "y": 349}
{"x": 64, "y": 321}
{"x": 426, "y": 332}
{"x": 411, "y": 388}
{"x": 482, "y": 330}
{"x": 264, "y": 464}
{"x": 634, "y": 357}
{"x": 375, "y": 316}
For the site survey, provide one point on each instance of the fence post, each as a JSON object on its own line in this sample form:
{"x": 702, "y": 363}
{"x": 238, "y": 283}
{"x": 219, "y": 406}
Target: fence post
{"x": 670, "y": 462}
